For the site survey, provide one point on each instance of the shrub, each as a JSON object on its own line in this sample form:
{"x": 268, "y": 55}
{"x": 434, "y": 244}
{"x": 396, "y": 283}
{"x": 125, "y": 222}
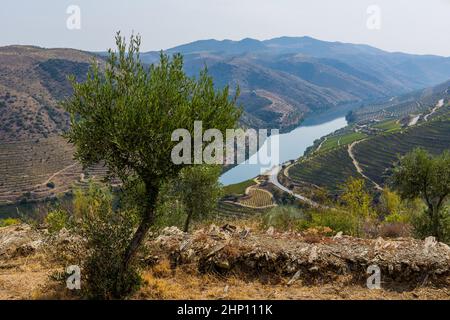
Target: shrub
{"x": 424, "y": 226}
{"x": 56, "y": 220}
{"x": 107, "y": 234}
{"x": 285, "y": 218}
{"x": 9, "y": 222}
{"x": 170, "y": 213}
{"x": 337, "y": 220}
{"x": 394, "y": 230}
{"x": 51, "y": 185}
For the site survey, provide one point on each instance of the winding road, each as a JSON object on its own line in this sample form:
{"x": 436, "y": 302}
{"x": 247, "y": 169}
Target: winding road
{"x": 273, "y": 178}
{"x": 440, "y": 104}
{"x": 357, "y": 166}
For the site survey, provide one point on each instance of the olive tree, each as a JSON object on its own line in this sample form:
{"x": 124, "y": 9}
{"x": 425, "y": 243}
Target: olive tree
{"x": 420, "y": 175}
{"x": 199, "y": 190}
{"x": 125, "y": 112}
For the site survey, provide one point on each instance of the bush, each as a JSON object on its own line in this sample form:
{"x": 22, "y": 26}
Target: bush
{"x": 285, "y": 218}
{"x": 170, "y": 214}
{"x": 423, "y": 225}
{"x": 9, "y": 222}
{"x": 337, "y": 220}
{"x": 56, "y": 220}
{"x": 394, "y": 230}
{"x": 107, "y": 234}
{"x": 51, "y": 185}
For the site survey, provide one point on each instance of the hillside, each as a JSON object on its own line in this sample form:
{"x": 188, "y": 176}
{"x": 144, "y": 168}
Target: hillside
{"x": 32, "y": 81}
{"x": 373, "y": 151}
{"x": 284, "y": 79}
{"x": 35, "y": 161}
{"x": 413, "y": 103}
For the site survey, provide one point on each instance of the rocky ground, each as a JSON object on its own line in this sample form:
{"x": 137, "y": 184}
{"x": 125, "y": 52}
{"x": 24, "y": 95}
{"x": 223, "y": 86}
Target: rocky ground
{"x": 231, "y": 262}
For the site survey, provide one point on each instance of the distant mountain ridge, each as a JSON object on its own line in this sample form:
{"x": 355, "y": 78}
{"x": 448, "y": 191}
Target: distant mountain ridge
{"x": 303, "y": 75}
{"x": 282, "y": 80}
{"x": 32, "y": 82}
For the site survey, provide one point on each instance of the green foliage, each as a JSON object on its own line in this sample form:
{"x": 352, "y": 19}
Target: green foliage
{"x": 170, "y": 213}
{"x": 108, "y": 234}
{"x": 336, "y": 220}
{"x": 56, "y": 220}
{"x": 355, "y": 197}
{"x": 125, "y": 115}
{"x": 9, "y": 222}
{"x": 199, "y": 190}
{"x": 170, "y": 210}
{"x": 291, "y": 218}
{"x": 420, "y": 175}
{"x": 424, "y": 226}
{"x": 238, "y": 188}
{"x": 284, "y": 218}
{"x": 390, "y": 203}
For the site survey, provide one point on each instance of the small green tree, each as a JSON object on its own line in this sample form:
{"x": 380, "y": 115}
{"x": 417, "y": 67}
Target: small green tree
{"x": 107, "y": 233}
{"x": 125, "y": 115}
{"x": 199, "y": 190}
{"x": 420, "y": 175}
{"x": 356, "y": 198}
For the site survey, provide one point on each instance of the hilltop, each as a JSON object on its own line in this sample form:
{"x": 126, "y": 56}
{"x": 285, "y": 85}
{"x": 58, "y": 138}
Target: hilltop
{"x": 285, "y": 79}
{"x": 32, "y": 82}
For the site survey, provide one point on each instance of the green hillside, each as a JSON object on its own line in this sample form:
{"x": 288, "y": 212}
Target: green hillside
{"x": 375, "y": 155}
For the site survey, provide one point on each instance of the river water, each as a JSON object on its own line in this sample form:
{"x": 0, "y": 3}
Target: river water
{"x": 292, "y": 145}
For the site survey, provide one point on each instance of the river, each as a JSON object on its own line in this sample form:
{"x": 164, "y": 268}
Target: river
{"x": 292, "y": 145}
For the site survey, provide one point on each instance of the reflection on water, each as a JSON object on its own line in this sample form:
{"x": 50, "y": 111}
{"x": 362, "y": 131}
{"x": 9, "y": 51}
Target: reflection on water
{"x": 292, "y": 146}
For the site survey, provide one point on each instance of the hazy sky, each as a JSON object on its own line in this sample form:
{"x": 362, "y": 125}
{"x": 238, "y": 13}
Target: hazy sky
{"x": 415, "y": 26}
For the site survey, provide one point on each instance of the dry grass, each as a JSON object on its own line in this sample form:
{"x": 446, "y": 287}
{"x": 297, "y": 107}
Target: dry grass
{"x": 33, "y": 278}
{"x": 187, "y": 283}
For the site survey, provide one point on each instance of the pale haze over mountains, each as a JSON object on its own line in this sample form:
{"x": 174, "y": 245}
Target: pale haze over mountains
{"x": 412, "y": 26}
{"x": 282, "y": 80}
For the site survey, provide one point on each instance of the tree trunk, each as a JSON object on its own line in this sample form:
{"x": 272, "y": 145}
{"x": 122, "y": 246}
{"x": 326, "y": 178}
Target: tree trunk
{"x": 436, "y": 227}
{"x": 188, "y": 220}
{"x": 151, "y": 190}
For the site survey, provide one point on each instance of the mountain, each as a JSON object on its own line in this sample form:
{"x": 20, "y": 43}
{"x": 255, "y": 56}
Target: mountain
{"x": 369, "y": 148}
{"x": 32, "y": 81}
{"x": 284, "y": 79}
{"x": 406, "y": 105}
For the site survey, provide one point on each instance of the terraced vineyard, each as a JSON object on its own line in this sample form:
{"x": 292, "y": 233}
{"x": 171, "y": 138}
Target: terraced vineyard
{"x": 37, "y": 169}
{"x": 388, "y": 126}
{"x": 327, "y": 169}
{"x": 227, "y": 209}
{"x": 379, "y": 154}
{"x": 341, "y": 140}
{"x": 375, "y": 155}
{"x": 417, "y": 102}
{"x": 257, "y": 198}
